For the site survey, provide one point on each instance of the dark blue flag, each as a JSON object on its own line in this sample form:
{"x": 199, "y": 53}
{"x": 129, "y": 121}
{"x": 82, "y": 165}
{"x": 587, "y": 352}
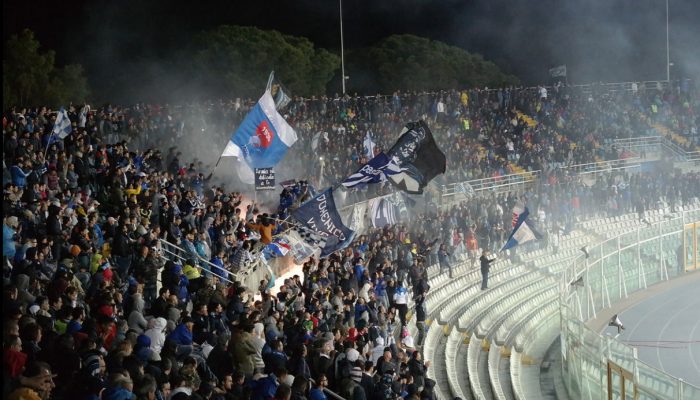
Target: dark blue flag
{"x": 320, "y": 215}
{"x": 376, "y": 170}
{"x": 418, "y": 156}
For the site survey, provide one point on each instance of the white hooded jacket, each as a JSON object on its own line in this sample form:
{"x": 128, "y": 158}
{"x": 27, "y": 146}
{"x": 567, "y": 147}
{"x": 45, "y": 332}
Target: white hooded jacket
{"x": 157, "y": 334}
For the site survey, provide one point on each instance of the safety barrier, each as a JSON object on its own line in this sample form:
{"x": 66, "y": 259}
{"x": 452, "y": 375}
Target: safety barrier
{"x": 602, "y": 167}
{"x": 615, "y": 268}
{"x": 248, "y": 276}
{"x": 657, "y": 144}
{"x": 505, "y": 182}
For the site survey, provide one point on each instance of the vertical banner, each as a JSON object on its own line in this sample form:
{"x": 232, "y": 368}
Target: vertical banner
{"x": 357, "y": 217}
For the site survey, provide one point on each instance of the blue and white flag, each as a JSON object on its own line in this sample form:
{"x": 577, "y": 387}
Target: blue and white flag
{"x": 301, "y": 249}
{"x": 369, "y": 145}
{"x": 262, "y": 139}
{"x": 278, "y": 248}
{"x": 376, "y": 170}
{"x": 62, "y": 127}
{"x": 522, "y": 233}
{"x": 321, "y": 216}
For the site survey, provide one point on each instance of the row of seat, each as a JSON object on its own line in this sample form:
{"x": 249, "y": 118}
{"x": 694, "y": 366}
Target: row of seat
{"x": 525, "y": 366}
{"x": 499, "y": 336}
{"x": 506, "y": 279}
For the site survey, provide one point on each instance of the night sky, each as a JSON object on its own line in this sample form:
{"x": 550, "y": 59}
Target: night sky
{"x": 598, "y": 40}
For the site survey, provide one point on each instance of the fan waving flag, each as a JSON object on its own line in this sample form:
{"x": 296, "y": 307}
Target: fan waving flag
{"x": 62, "y": 127}
{"x": 522, "y": 233}
{"x": 262, "y": 139}
{"x": 376, "y": 170}
{"x": 320, "y": 215}
{"x": 419, "y": 158}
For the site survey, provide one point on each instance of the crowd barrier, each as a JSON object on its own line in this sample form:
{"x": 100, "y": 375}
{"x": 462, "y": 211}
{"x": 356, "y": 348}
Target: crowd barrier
{"x": 659, "y": 145}
{"x": 600, "y": 367}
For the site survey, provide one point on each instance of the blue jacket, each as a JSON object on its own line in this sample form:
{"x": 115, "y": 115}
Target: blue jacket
{"x": 97, "y": 231}
{"x": 316, "y": 394}
{"x": 8, "y": 241}
{"x": 19, "y": 177}
{"x": 380, "y": 287}
{"x": 181, "y": 335}
{"x": 219, "y": 269}
{"x": 118, "y": 393}
{"x": 359, "y": 270}
{"x": 264, "y": 388}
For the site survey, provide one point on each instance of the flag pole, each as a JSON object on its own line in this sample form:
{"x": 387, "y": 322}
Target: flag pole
{"x": 48, "y": 144}
{"x": 217, "y": 164}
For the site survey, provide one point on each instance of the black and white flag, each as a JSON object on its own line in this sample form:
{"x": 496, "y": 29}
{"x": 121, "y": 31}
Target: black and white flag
{"x": 389, "y": 210}
{"x": 383, "y": 212}
{"x": 418, "y": 157}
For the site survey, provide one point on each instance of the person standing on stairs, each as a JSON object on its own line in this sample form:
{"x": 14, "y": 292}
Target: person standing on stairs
{"x": 485, "y": 266}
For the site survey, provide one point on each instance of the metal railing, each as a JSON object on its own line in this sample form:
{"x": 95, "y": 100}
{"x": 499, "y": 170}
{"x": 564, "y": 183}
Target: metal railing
{"x": 622, "y": 86}
{"x": 657, "y": 144}
{"x": 504, "y": 182}
{"x": 179, "y": 255}
{"x": 615, "y": 268}
{"x": 600, "y": 167}
{"x": 249, "y": 276}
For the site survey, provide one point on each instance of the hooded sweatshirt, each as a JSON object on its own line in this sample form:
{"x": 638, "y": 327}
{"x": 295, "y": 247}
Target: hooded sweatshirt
{"x": 136, "y": 320}
{"x": 157, "y": 334}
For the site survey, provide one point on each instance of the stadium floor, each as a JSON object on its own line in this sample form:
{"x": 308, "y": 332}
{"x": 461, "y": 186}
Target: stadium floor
{"x": 665, "y": 329}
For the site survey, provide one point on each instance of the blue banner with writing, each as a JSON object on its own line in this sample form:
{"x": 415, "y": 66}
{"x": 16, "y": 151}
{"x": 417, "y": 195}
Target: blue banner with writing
{"x": 320, "y": 215}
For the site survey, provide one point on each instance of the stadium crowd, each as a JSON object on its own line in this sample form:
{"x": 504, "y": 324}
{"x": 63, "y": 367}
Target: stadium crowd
{"x": 82, "y": 314}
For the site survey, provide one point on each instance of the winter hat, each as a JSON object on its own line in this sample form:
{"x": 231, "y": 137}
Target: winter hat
{"x": 143, "y": 341}
{"x": 91, "y": 363}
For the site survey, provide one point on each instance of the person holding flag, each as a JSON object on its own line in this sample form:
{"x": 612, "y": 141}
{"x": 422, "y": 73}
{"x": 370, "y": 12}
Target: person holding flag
{"x": 61, "y": 128}
{"x": 485, "y": 267}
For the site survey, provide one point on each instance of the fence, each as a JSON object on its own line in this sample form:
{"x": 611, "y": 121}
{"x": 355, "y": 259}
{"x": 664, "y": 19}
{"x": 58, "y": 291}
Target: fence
{"x": 460, "y": 190}
{"x": 603, "y": 167}
{"x": 657, "y": 144}
{"x": 593, "y": 363}
{"x": 249, "y": 277}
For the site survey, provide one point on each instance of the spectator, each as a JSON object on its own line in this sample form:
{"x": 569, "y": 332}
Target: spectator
{"x": 485, "y": 266}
